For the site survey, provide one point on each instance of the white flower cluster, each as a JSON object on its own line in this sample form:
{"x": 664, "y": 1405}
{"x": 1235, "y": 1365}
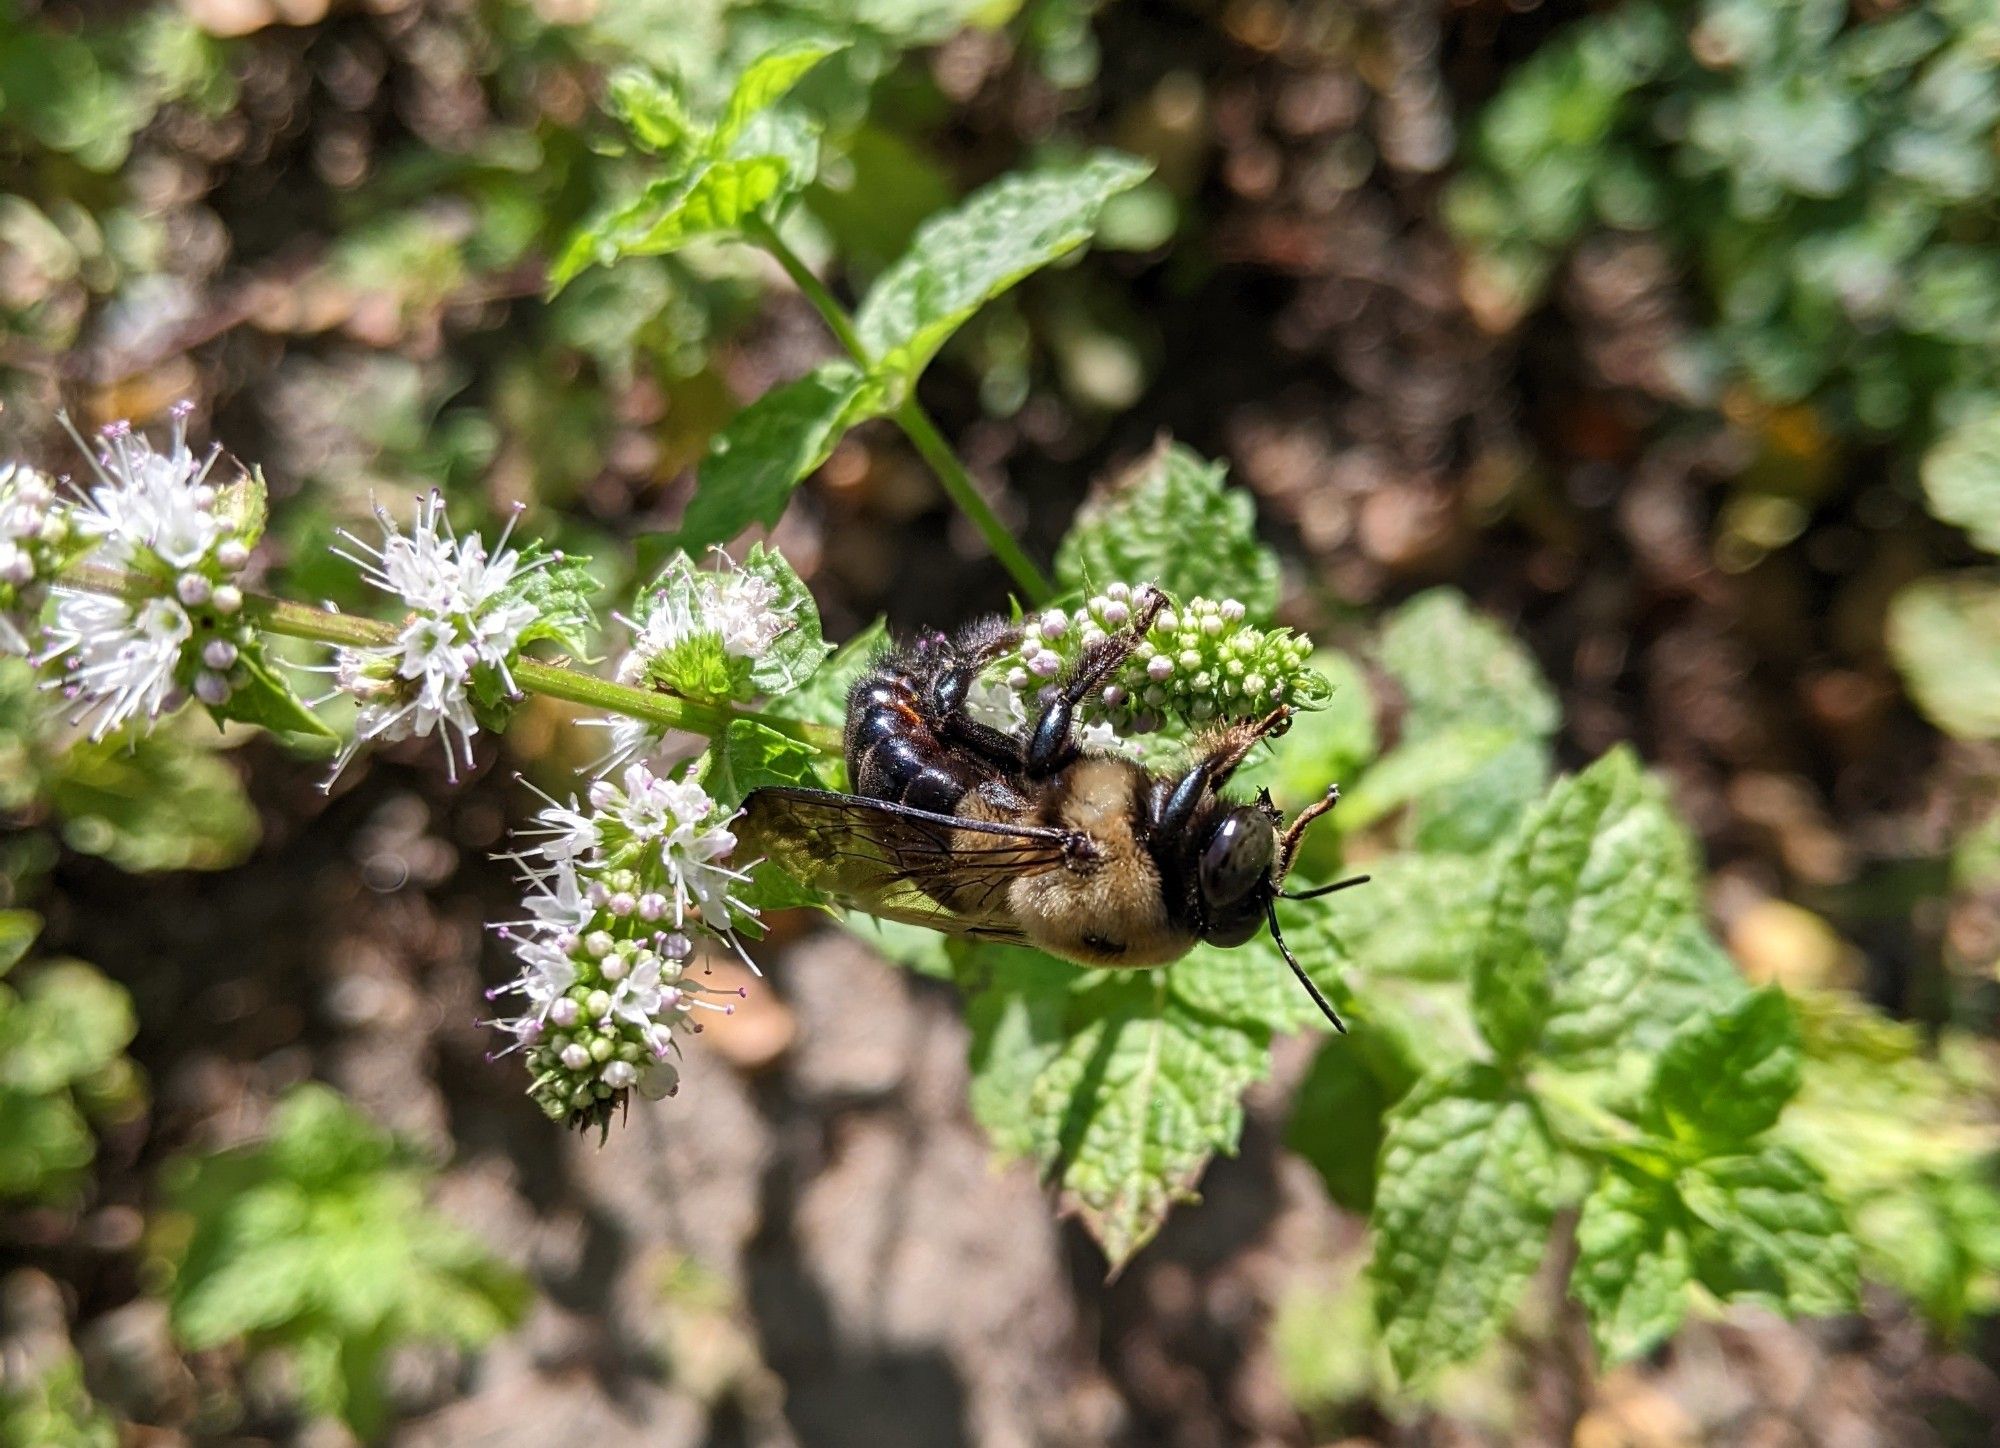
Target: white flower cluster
{"x": 736, "y": 608}
{"x": 158, "y": 516}
{"x": 615, "y": 890}
{"x": 1198, "y": 662}
{"x": 34, "y": 527}
{"x": 461, "y": 622}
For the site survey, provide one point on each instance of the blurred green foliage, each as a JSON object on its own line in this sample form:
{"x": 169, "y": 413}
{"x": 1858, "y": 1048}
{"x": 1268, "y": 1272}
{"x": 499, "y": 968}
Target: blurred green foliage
{"x": 1828, "y": 179}
{"x": 319, "y": 1241}
{"x": 63, "y": 1033}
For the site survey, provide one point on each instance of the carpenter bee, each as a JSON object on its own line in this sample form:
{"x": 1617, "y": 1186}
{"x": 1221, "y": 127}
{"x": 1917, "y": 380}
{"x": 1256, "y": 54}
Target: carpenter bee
{"x": 1031, "y": 838}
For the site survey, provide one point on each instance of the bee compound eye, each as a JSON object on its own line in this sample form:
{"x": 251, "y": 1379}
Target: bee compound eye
{"x": 1237, "y": 857}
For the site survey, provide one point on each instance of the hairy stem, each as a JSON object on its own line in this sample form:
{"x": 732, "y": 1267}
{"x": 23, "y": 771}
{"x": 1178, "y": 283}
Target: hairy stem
{"x": 915, "y": 422}
{"x": 558, "y": 681}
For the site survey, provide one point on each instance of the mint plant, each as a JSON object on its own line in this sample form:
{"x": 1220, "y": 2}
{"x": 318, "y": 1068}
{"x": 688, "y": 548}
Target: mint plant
{"x": 1548, "y": 1042}
{"x": 318, "y": 1242}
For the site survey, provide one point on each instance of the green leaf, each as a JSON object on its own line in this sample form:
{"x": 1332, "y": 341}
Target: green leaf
{"x": 1464, "y": 1201}
{"x": 1462, "y": 672}
{"x": 963, "y": 259}
{"x": 1945, "y": 635}
{"x": 264, "y": 697}
{"x": 562, "y": 593}
{"x": 1422, "y": 917}
{"x": 1961, "y": 476}
{"x": 70, "y": 1022}
{"x": 1633, "y": 1264}
{"x": 797, "y": 653}
{"x": 769, "y": 448}
{"x": 243, "y": 506}
{"x": 768, "y": 80}
{"x": 1121, "y": 1084}
{"x": 749, "y": 755}
{"x": 1138, "y": 531}
{"x": 1428, "y": 768}
{"x": 823, "y": 698}
{"x": 1771, "y": 1234}
{"x": 1727, "y": 1073}
{"x": 1337, "y": 1121}
{"x": 18, "y": 930}
{"x": 44, "y": 1144}
{"x": 650, "y": 111}
{"x": 155, "y": 803}
{"x": 1594, "y": 945}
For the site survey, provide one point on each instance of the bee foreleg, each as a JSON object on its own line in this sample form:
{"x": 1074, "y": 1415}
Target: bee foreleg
{"x": 1227, "y": 749}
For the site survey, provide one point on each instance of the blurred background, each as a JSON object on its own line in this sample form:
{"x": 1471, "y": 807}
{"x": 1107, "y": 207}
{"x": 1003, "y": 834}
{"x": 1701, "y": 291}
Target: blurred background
{"x": 1666, "y": 332}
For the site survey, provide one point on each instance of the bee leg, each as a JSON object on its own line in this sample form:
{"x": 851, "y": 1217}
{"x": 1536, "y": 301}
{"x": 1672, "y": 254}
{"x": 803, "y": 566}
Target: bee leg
{"x": 1213, "y": 769}
{"x": 1052, "y": 745}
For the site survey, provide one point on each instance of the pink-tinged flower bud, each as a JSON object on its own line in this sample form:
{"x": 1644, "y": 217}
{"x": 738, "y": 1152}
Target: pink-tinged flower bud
{"x": 232, "y": 554}
{"x": 1118, "y": 592}
{"x": 1116, "y": 612}
{"x": 1159, "y": 668}
{"x": 652, "y": 905}
{"x": 613, "y": 968}
{"x": 677, "y": 947}
{"x": 1053, "y": 623}
{"x": 227, "y": 599}
{"x": 621, "y": 903}
{"x": 564, "y": 1012}
{"x": 219, "y": 654}
{"x": 211, "y": 689}
{"x": 619, "y": 1075}
{"x": 575, "y": 1057}
{"x": 193, "y": 589}
{"x": 598, "y": 943}
{"x": 1045, "y": 665}
{"x": 1113, "y": 696}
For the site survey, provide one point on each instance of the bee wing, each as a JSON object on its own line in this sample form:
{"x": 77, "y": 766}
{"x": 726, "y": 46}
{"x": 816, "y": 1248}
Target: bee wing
{"x": 904, "y": 864}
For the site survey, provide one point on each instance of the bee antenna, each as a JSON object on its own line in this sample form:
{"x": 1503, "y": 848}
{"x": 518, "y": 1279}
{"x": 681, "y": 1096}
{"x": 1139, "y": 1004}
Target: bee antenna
{"x": 1323, "y": 889}
{"x": 1326, "y": 1007}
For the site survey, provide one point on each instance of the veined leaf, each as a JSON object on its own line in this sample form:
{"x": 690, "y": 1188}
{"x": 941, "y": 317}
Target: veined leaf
{"x": 965, "y": 258}
{"x": 1463, "y": 1206}
{"x": 1772, "y": 1234}
{"x": 766, "y": 81}
{"x": 1634, "y": 1263}
{"x": 769, "y": 448}
{"x": 797, "y": 653}
{"x": 1138, "y": 531}
{"x": 1727, "y": 1073}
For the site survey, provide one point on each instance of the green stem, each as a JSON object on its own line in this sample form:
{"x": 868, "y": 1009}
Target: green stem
{"x": 914, "y": 421}
{"x": 558, "y": 681}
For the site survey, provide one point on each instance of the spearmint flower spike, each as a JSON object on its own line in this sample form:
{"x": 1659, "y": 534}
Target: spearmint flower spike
{"x": 463, "y": 629}
{"x": 614, "y": 885}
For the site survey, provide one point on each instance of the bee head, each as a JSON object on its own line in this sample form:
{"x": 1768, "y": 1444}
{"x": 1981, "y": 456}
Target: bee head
{"x": 1233, "y": 873}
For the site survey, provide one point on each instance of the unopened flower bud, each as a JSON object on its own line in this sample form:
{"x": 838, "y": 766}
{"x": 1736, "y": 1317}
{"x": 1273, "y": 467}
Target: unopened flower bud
{"x": 193, "y": 589}
{"x": 232, "y": 554}
{"x": 227, "y": 599}
{"x": 652, "y": 905}
{"x": 211, "y": 689}
{"x": 219, "y": 654}
{"x": 619, "y": 1075}
{"x": 564, "y": 1012}
{"x": 677, "y": 947}
{"x": 575, "y": 1057}
{"x": 598, "y": 943}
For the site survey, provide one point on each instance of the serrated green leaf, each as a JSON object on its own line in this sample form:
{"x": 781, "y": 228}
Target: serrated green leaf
{"x": 264, "y": 697}
{"x": 1420, "y": 917}
{"x": 796, "y": 654}
{"x": 749, "y": 755}
{"x": 1137, "y": 531}
{"x": 768, "y": 80}
{"x": 1727, "y": 1073}
{"x": 769, "y": 448}
{"x": 1961, "y": 475}
{"x": 563, "y": 594}
{"x": 650, "y": 111}
{"x": 1634, "y": 1264}
{"x": 1770, "y": 1233}
{"x": 1462, "y": 672}
{"x": 1426, "y": 768}
{"x": 1464, "y": 1201}
{"x": 1121, "y": 1084}
{"x": 1594, "y": 944}
{"x": 963, "y": 259}
{"x": 823, "y": 698}
{"x": 1945, "y": 635}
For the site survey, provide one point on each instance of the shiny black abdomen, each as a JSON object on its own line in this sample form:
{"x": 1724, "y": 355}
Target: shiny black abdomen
{"x": 894, "y": 754}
